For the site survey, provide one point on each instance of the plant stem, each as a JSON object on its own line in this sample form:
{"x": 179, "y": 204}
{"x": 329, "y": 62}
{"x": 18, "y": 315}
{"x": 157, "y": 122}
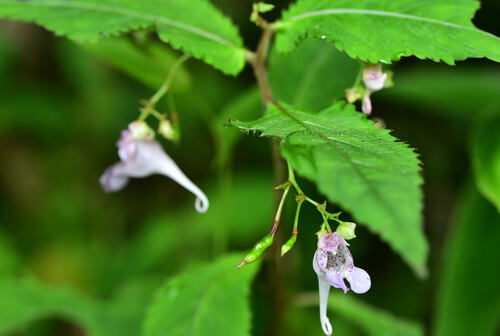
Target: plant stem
{"x": 149, "y": 107}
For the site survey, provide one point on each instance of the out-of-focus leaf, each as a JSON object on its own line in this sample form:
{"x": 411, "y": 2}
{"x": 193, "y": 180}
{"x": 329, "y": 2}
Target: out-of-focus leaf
{"x": 357, "y": 165}
{"x": 9, "y": 260}
{"x": 486, "y": 158}
{"x": 204, "y": 300}
{"x": 26, "y": 300}
{"x": 468, "y": 301}
{"x": 149, "y": 64}
{"x": 196, "y": 27}
{"x": 386, "y": 30}
{"x": 457, "y": 93}
{"x": 247, "y": 105}
{"x": 312, "y": 77}
{"x": 372, "y": 320}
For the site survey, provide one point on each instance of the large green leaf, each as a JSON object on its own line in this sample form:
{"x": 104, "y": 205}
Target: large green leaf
{"x": 386, "y": 30}
{"x": 147, "y": 63}
{"x": 194, "y": 26}
{"x": 468, "y": 301}
{"x": 204, "y": 300}
{"x": 360, "y": 167}
{"x": 486, "y": 158}
{"x": 312, "y": 77}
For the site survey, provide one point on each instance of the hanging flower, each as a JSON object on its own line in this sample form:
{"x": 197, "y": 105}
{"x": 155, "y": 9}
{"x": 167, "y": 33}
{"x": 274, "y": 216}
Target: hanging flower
{"x": 374, "y": 79}
{"x": 142, "y": 156}
{"x": 333, "y": 264}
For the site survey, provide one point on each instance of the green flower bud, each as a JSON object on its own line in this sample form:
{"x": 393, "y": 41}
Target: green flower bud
{"x": 141, "y": 131}
{"x": 288, "y": 245}
{"x": 346, "y": 230}
{"x": 257, "y": 250}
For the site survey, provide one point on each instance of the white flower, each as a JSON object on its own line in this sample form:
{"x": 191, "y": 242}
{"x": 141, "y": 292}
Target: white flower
{"x": 333, "y": 263}
{"x": 141, "y": 157}
{"x": 374, "y": 79}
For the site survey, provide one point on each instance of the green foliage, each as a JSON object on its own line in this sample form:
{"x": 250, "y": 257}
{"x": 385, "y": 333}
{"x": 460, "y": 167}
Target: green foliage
{"x": 148, "y": 63}
{"x": 486, "y": 158}
{"x": 386, "y": 30}
{"x": 360, "y": 167}
{"x": 458, "y": 93}
{"x": 372, "y": 319}
{"x": 194, "y": 26}
{"x": 468, "y": 301}
{"x": 246, "y": 105}
{"x": 204, "y": 300}
{"x": 311, "y": 77}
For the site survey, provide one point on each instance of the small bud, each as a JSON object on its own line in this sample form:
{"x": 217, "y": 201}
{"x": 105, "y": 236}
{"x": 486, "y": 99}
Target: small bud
{"x": 257, "y": 250}
{"x": 167, "y": 130}
{"x": 141, "y": 131}
{"x": 288, "y": 245}
{"x": 346, "y": 229}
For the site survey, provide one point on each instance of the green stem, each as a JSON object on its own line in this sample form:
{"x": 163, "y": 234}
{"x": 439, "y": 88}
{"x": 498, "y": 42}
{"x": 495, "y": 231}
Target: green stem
{"x": 151, "y": 103}
{"x": 277, "y": 217}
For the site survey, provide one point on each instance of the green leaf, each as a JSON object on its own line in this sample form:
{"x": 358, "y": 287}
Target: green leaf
{"x": 149, "y": 63}
{"x": 386, "y": 30}
{"x": 204, "y": 300}
{"x": 468, "y": 301}
{"x": 246, "y": 105}
{"x": 486, "y": 158}
{"x": 24, "y": 301}
{"x": 360, "y": 167}
{"x": 372, "y": 319}
{"x": 312, "y": 77}
{"x": 459, "y": 93}
{"x": 194, "y": 26}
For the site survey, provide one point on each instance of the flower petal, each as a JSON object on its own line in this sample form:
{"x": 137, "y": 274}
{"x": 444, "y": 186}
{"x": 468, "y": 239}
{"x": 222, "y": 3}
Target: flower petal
{"x": 149, "y": 158}
{"x": 337, "y": 281}
{"x": 324, "y": 291}
{"x": 359, "y": 280}
{"x": 113, "y": 179}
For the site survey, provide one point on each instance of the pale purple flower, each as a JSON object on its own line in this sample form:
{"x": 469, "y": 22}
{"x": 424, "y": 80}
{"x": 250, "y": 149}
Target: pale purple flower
{"x": 374, "y": 79}
{"x": 141, "y": 157}
{"x": 333, "y": 264}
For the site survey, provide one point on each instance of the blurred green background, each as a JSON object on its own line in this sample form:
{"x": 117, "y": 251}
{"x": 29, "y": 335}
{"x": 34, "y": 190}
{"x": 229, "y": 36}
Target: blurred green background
{"x": 62, "y": 108}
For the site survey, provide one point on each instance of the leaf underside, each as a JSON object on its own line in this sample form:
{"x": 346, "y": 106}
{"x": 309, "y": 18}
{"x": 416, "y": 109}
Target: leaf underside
{"x": 362, "y": 168}
{"x": 386, "y": 30}
{"x": 204, "y": 32}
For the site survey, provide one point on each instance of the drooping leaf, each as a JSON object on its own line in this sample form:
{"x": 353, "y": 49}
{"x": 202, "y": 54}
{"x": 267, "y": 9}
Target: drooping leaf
{"x": 312, "y": 77}
{"x": 362, "y": 168}
{"x": 459, "y": 93}
{"x": 386, "y": 30}
{"x": 468, "y": 301}
{"x": 486, "y": 158}
{"x": 194, "y": 26}
{"x": 204, "y": 300}
{"x": 149, "y": 64}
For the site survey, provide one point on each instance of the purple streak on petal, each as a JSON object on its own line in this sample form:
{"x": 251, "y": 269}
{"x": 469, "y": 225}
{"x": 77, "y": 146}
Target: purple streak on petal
{"x": 337, "y": 281}
{"x": 359, "y": 280}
